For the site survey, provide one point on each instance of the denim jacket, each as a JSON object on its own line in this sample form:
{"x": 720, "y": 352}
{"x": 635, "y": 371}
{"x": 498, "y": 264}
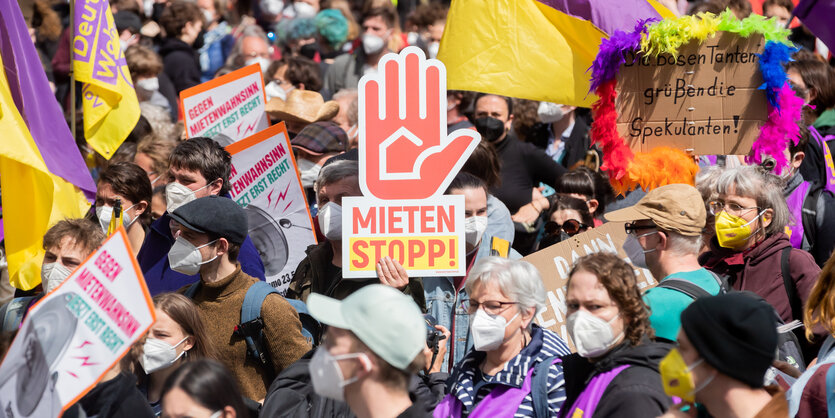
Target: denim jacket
{"x": 444, "y": 303}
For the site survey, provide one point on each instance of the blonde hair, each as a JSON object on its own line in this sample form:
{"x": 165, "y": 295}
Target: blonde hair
{"x": 820, "y": 307}
{"x": 158, "y": 149}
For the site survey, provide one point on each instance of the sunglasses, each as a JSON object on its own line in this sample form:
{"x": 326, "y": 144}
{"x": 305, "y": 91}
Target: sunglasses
{"x": 571, "y": 227}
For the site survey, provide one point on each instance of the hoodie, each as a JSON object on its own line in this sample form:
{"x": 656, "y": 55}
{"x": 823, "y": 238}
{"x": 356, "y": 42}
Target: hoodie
{"x": 635, "y": 392}
{"x": 180, "y": 63}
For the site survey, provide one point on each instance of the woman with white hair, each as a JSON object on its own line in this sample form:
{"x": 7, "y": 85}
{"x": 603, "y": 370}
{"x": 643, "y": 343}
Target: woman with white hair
{"x": 752, "y": 249}
{"x": 513, "y": 367}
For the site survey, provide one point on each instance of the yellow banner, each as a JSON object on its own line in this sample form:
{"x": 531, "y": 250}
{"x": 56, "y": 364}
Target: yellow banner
{"x": 413, "y": 252}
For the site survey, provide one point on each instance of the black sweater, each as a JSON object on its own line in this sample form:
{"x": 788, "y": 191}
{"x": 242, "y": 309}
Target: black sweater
{"x": 524, "y": 166}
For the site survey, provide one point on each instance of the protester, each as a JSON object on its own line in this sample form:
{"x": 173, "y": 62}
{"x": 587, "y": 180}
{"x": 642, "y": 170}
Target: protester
{"x": 781, "y": 10}
{"x": 811, "y": 229}
{"x": 251, "y": 47}
{"x": 210, "y": 231}
{"x": 567, "y": 217}
{"x": 218, "y": 40}
{"x": 313, "y": 146}
{"x": 291, "y": 73}
{"x": 750, "y": 247}
{"x": 455, "y": 117}
{"x": 373, "y": 344}
{"x": 182, "y": 21}
{"x": 706, "y": 185}
{"x": 615, "y": 369}
{"x": 377, "y": 29}
{"x": 321, "y": 269}
{"x": 333, "y": 30}
{"x": 145, "y": 67}
{"x": 125, "y": 186}
{"x": 178, "y": 336}
{"x": 202, "y": 388}
{"x": 66, "y": 245}
{"x": 445, "y": 295}
{"x": 725, "y": 346}
{"x": 484, "y": 164}
{"x": 513, "y": 364}
{"x": 563, "y": 136}
{"x": 298, "y": 37}
{"x": 301, "y": 108}
{"x": 348, "y": 116}
{"x": 523, "y": 167}
{"x": 664, "y": 235}
{"x": 589, "y": 185}
{"x": 114, "y": 396}
{"x": 152, "y": 155}
{"x": 198, "y": 167}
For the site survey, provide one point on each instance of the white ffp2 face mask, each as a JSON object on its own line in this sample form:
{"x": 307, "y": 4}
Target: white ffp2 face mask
{"x": 592, "y": 336}
{"x": 261, "y": 61}
{"x": 309, "y": 171}
{"x": 474, "y": 228}
{"x": 636, "y": 253}
{"x": 550, "y": 112}
{"x": 148, "y": 84}
{"x": 159, "y": 355}
{"x": 488, "y": 330}
{"x": 52, "y": 275}
{"x": 105, "y": 215}
{"x": 330, "y": 221}
{"x": 185, "y": 258}
{"x": 372, "y": 44}
{"x": 304, "y": 10}
{"x": 177, "y": 195}
{"x": 326, "y": 375}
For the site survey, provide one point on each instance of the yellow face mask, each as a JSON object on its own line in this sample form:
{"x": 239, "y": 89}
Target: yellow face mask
{"x": 732, "y": 231}
{"x": 677, "y": 377}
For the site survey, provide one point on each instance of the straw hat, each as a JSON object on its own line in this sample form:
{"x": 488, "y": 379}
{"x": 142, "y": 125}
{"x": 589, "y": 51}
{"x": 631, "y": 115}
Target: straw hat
{"x": 302, "y": 106}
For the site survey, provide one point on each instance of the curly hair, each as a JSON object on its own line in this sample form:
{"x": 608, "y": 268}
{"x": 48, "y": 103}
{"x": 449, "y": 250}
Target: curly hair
{"x": 176, "y": 15}
{"x": 618, "y": 277}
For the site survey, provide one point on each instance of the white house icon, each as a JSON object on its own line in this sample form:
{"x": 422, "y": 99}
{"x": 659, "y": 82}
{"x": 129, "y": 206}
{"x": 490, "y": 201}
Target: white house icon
{"x": 396, "y": 136}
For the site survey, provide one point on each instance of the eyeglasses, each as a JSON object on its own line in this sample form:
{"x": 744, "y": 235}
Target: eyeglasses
{"x": 632, "y": 229}
{"x": 732, "y": 208}
{"x": 571, "y": 227}
{"x": 492, "y": 307}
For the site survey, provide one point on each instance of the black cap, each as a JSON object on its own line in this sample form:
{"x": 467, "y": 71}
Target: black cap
{"x": 736, "y": 333}
{"x": 127, "y": 20}
{"x": 214, "y": 215}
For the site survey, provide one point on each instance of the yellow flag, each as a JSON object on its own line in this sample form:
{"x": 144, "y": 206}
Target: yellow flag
{"x": 32, "y": 196}
{"x": 111, "y": 108}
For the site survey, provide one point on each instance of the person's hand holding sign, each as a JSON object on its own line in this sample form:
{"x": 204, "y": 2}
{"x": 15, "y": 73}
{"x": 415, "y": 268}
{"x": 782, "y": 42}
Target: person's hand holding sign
{"x": 408, "y": 152}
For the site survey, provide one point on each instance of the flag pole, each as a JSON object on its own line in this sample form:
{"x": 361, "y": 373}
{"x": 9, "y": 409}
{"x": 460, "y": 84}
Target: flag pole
{"x": 72, "y": 70}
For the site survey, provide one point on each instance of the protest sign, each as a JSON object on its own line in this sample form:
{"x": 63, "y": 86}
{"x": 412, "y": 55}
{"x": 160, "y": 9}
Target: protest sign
{"x": 265, "y": 182}
{"x": 706, "y": 100}
{"x": 555, "y": 262}
{"x": 226, "y": 109}
{"x": 76, "y": 333}
{"x": 406, "y": 161}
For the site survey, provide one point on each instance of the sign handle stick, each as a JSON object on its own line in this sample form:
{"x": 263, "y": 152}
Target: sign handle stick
{"x": 72, "y": 70}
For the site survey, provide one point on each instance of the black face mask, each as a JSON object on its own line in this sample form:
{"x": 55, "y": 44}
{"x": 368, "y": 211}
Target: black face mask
{"x": 551, "y": 239}
{"x": 199, "y": 41}
{"x": 309, "y": 50}
{"x": 490, "y": 128}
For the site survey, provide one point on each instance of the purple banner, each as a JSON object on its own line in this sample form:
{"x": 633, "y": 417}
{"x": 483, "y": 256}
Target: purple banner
{"x": 817, "y": 16}
{"x": 608, "y": 15}
{"x": 36, "y": 102}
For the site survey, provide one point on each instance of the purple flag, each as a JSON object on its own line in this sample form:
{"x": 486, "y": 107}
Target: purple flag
{"x": 607, "y": 15}
{"x": 817, "y": 15}
{"x": 36, "y": 102}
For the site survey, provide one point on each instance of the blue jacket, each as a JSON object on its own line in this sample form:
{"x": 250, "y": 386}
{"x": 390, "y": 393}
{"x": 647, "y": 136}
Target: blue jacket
{"x": 153, "y": 260}
{"x": 470, "y": 386}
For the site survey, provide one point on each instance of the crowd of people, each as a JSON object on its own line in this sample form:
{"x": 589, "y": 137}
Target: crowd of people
{"x": 740, "y": 324}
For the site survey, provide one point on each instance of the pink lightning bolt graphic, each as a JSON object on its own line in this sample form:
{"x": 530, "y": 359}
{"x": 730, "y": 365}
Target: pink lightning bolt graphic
{"x": 85, "y": 361}
{"x": 281, "y": 196}
{"x": 250, "y": 128}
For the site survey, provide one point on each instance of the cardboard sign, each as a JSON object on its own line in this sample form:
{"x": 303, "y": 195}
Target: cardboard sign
{"x": 76, "y": 333}
{"x": 705, "y": 101}
{"x": 406, "y": 161}
{"x": 555, "y": 262}
{"x": 226, "y": 109}
{"x": 265, "y": 182}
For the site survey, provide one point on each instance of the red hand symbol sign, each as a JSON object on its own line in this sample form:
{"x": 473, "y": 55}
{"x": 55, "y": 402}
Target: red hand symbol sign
{"x": 405, "y": 152}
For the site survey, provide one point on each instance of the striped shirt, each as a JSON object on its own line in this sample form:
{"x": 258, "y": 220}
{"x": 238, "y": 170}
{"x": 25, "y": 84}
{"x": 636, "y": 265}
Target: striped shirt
{"x": 470, "y": 385}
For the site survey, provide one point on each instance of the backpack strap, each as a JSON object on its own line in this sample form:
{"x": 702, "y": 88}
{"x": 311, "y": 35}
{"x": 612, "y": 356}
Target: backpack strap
{"x": 310, "y": 326}
{"x": 722, "y": 281}
{"x": 687, "y": 287}
{"x": 251, "y": 327}
{"x": 192, "y": 290}
{"x": 539, "y": 386}
{"x": 791, "y": 291}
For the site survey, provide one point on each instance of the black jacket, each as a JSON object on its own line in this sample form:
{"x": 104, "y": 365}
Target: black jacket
{"x": 635, "y": 392}
{"x": 180, "y": 63}
{"x": 117, "y": 398}
{"x": 524, "y": 166}
{"x": 575, "y": 147}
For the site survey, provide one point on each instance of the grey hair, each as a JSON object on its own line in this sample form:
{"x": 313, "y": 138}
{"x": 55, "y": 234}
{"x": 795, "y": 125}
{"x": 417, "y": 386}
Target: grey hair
{"x": 706, "y": 182}
{"x": 159, "y": 119}
{"x": 336, "y": 171}
{"x": 236, "y": 59}
{"x": 353, "y": 109}
{"x": 764, "y": 187}
{"x": 683, "y": 244}
{"x": 517, "y": 279}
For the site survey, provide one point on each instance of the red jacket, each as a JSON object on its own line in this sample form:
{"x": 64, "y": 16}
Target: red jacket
{"x": 758, "y": 270}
